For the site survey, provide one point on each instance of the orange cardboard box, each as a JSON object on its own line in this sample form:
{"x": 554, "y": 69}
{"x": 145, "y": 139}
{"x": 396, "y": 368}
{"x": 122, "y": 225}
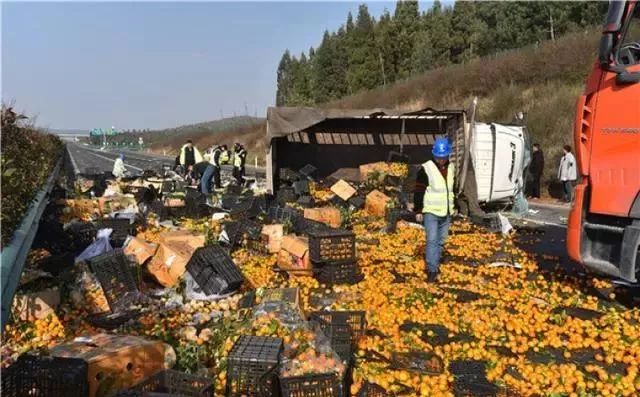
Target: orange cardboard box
{"x": 140, "y": 250}
{"x": 380, "y": 167}
{"x": 170, "y": 262}
{"x": 115, "y": 362}
{"x": 185, "y": 236}
{"x": 36, "y": 305}
{"x": 328, "y": 215}
{"x": 376, "y": 203}
{"x": 272, "y": 237}
{"x": 294, "y": 255}
{"x": 343, "y": 189}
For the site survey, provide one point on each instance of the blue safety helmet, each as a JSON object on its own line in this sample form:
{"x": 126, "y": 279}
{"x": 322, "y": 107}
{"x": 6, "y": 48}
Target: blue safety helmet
{"x": 441, "y": 148}
{"x": 122, "y": 156}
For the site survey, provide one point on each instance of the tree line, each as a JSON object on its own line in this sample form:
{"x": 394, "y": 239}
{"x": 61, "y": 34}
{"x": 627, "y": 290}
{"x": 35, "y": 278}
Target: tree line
{"x": 366, "y": 53}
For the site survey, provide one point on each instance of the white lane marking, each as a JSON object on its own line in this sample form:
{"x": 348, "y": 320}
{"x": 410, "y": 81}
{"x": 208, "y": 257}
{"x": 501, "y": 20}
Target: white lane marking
{"x": 76, "y": 170}
{"x": 107, "y": 158}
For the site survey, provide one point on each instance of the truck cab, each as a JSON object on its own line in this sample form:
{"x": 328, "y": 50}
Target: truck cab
{"x": 604, "y": 223}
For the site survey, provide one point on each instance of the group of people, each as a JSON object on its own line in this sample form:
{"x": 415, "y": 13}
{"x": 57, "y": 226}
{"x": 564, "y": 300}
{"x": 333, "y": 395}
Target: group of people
{"x": 206, "y": 168}
{"x": 567, "y": 172}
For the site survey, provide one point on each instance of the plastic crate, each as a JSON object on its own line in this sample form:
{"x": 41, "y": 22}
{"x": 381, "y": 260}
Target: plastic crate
{"x": 244, "y": 208}
{"x": 339, "y": 273}
{"x": 286, "y": 195}
{"x": 468, "y": 367}
{"x": 121, "y": 228}
{"x": 171, "y": 383}
{"x": 82, "y": 235}
{"x": 357, "y": 202}
{"x": 331, "y": 246}
{"x": 114, "y": 274}
{"x": 474, "y": 385}
{"x": 111, "y": 321}
{"x": 397, "y": 157}
{"x": 195, "y": 204}
{"x": 306, "y": 201}
{"x": 301, "y": 187}
{"x": 283, "y": 214}
{"x": 40, "y": 376}
{"x": 288, "y": 175}
{"x": 214, "y": 271}
{"x": 343, "y": 328}
{"x": 257, "y": 247}
{"x": 308, "y": 170}
{"x": 318, "y": 385}
{"x": 252, "y": 366}
{"x": 396, "y": 214}
{"x": 302, "y": 225}
{"x": 372, "y": 390}
{"x": 237, "y": 230}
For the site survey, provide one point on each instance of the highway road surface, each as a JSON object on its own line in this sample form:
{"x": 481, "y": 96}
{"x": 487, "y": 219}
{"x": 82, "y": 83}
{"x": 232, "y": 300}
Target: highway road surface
{"x": 83, "y": 157}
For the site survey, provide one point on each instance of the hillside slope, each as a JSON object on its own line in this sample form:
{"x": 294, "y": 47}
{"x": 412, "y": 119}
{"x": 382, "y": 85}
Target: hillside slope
{"x": 542, "y": 81}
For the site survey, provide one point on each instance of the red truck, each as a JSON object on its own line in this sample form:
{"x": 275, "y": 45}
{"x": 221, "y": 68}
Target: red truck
{"x": 604, "y": 223}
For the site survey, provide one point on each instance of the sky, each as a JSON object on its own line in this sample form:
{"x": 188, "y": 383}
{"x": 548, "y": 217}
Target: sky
{"x": 154, "y": 65}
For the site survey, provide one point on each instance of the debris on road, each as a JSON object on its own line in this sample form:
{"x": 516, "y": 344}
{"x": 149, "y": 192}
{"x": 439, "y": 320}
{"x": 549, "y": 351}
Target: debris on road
{"x": 261, "y": 295}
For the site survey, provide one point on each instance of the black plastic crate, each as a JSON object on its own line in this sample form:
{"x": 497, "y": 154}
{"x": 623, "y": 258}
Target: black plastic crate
{"x": 196, "y": 204}
{"x": 302, "y": 225}
{"x": 372, "y": 390}
{"x": 121, "y": 228}
{"x": 339, "y": 273}
{"x": 244, "y": 208}
{"x": 111, "y": 321}
{"x": 252, "y": 366}
{"x": 41, "y": 376}
{"x": 286, "y": 195}
{"x": 114, "y": 274}
{"x": 308, "y": 170}
{"x": 283, "y": 214}
{"x": 301, "y": 187}
{"x": 82, "y": 235}
{"x": 238, "y": 230}
{"x": 331, "y": 246}
{"x": 394, "y": 215}
{"x": 234, "y": 189}
{"x": 319, "y": 385}
{"x": 214, "y": 271}
{"x": 357, "y": 202}
{"x": 343, "y": 328}
{"x": 288, "y": 175}
{"x": 468, "y": 367}
{"x": 397, "y": 157}
{"x": 423, "y": 362}
{"x": 306, "y": 201}
{"x": 171, "y": 383}
{"x": 474, "y": 385}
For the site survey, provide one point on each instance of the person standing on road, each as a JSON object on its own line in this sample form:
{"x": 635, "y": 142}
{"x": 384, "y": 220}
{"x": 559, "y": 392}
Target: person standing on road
{"x": 567, "y": 173}
{"x": 433, "y": 201}
{"x": 189, "y": 155}
{"x": 216, "y": 154}
{"x": 119, "y": 169}
{"x": 536, "y": 168}
{"x": 239, "y": 159}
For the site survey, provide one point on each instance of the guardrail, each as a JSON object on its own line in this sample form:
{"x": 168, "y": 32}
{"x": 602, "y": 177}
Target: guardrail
{"x": 14, "y": 255}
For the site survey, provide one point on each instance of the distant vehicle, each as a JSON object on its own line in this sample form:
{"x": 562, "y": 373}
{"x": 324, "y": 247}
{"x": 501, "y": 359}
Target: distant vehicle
{"x": 604, "y": 224}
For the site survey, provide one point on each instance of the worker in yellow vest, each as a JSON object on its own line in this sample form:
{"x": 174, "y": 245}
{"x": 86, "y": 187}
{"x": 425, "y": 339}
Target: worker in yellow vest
{"x": 433, "y": 202}
{"x": 239, "y": 159}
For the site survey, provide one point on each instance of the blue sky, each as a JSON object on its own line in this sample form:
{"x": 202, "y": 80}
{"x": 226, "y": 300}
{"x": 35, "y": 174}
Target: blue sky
{"x": 154, "y": 65}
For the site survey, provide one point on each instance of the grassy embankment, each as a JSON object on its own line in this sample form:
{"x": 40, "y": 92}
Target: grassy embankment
{"x": 543, "y": 81}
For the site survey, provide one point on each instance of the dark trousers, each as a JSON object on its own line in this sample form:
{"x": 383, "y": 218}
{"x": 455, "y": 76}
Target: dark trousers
{"x": 216, "y": 177}
{"x": 535, "y": 186}
{"x": 238, "y": 173}
{"x": 567, "y": 187}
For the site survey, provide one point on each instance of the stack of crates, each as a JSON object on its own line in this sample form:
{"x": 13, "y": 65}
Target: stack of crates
{"x": 333, "y": 253}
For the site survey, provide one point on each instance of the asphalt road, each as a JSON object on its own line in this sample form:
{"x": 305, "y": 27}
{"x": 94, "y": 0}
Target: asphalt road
{"x": 83, "y": 157}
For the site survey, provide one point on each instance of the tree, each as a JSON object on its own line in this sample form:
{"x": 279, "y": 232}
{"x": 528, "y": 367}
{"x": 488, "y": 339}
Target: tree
{"x": 283, "y": 79}
{"x": 406, "y": 24}
{"x": 363, "y": 71}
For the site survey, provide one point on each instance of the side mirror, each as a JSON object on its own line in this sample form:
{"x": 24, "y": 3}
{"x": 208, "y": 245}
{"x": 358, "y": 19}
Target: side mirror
{"x": 628, "y": 78}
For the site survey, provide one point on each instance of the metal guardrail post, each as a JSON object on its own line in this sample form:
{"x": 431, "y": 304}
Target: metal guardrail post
{"x": 14, "y": 255}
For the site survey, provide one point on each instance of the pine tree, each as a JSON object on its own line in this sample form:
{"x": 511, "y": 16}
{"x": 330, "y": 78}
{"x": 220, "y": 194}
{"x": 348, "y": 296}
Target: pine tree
{"x": 363, "y": 71}
{"x": 406, "y": 24}
{"x": 283, "y": 79}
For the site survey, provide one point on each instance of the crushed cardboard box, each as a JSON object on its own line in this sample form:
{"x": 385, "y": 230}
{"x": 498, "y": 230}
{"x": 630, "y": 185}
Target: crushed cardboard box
{"x": 174, "y": 251}
{"x": 294, "y": 255}
{"x": 116, "y": 362}
{"x": 343, "y": 190}
{"x": 140, "y": 250}
{"x": 328, "y": 215}
{"x": 36, "y": 305}
{"x": 272, "y": 237}
{"x": 376, "y": 203}
{"x": 380, "y": 168}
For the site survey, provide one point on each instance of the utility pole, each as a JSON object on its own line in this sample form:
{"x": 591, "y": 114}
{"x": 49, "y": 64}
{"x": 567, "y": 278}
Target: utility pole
{"x": 551, "y": 30}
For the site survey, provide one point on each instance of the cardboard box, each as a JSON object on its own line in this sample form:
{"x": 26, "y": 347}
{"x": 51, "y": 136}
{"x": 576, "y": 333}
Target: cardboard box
{"x": 183, "y": 236}
{"x": 36, "y": 305}
{"x": 116, "y": 203}
{"x": 376, "y": 203}
{"x": 343, "y": 190}
{"x": 272, "y": 237}
{"x": 294, "y": 254}
{"x": 170, "y": 262}
{"x": 140, "y": 250}
{"x": 288, "y": 296}
{"x": 329, "y": 216}
{"x": 381, "y": 168}
{"x": 115, "y": 362}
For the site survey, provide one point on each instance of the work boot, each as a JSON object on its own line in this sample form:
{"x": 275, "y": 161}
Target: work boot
{"x": 432, "y": 277}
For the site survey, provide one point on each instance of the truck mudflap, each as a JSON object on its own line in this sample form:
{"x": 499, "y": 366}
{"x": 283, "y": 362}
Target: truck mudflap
{"x": 605, "y": 244}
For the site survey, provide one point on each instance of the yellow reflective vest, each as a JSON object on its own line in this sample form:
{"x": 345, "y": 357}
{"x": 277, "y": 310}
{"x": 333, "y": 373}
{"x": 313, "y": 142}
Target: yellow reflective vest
{"x": 438, "y": 197}
{"x": 238, "y": 158}
{"x": 196, "y": 155}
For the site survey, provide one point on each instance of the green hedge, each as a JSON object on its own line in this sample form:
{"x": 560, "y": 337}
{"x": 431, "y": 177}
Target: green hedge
{"x": 28, "y": 158}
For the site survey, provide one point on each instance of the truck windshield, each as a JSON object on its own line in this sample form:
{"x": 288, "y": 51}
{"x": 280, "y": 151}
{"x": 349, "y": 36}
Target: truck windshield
{"x": 629, "y": 49}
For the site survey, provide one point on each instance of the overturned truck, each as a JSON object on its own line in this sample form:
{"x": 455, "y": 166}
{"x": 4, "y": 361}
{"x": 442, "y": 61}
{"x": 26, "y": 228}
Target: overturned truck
{"x": 490, "y": 159}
